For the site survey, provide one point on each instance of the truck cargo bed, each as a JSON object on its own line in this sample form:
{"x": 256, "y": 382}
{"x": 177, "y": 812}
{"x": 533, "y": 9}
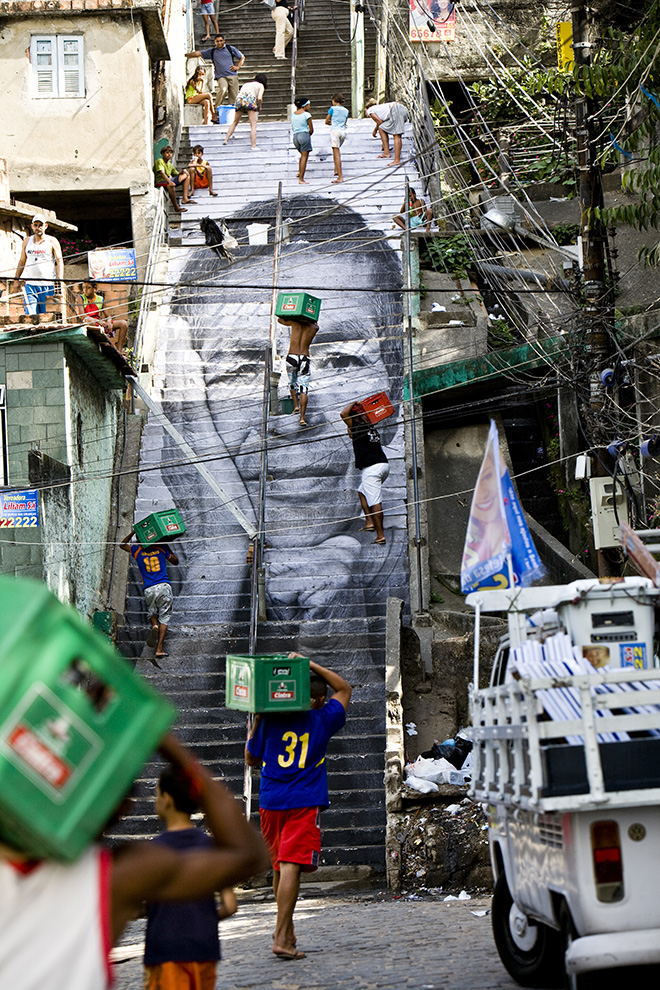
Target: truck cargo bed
{"x": 526, "y": 759}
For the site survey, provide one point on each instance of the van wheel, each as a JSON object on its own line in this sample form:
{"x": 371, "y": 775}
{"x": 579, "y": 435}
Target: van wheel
{"x": 530, "y": 951}
{"x": 579, "y": 981}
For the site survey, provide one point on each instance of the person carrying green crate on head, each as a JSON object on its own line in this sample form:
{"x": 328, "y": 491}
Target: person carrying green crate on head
{"x": 58, "y": 920}
{"x": 298, "y": 362}
{"x": 290, "y": 749}
{"x": 158, "y": 597}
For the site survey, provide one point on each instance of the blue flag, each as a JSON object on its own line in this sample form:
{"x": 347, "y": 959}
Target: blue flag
{"x": 498, "y": 543}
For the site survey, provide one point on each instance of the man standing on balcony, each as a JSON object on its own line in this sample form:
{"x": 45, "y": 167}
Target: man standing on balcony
{"x": 40, "y": 266}
{"x": 227, "y": 60}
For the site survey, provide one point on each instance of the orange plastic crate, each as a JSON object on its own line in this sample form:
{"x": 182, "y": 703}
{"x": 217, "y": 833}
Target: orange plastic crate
{"x": 377, "y": 407}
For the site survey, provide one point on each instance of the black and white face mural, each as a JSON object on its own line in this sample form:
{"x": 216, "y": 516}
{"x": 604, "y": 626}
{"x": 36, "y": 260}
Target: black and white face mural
{"x": 211, "y": 368}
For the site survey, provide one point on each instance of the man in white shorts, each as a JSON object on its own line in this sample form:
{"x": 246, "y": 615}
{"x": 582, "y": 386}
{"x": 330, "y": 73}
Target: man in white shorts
{"x": 336, "y": 120}
{"x": 371, "y": 460}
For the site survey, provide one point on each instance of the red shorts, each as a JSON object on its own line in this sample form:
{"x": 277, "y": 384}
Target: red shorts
{"x": 293, "y": 835}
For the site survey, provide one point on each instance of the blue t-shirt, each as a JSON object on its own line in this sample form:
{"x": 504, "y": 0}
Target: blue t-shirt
{"x": 223, "y": 59}
{"x": 338, "y": 117}
{"x": 292, "y": 748}
{"x": 182, "y": 931}
{"x": 299, "y": 122}
{"x": 151, "y": 561}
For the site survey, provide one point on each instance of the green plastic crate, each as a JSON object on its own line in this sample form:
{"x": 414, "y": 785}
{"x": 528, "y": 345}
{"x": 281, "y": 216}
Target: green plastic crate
{"x": 76, "y": 724}
{"x": 298, "y": 305}
{"x": 274, "y": 683}
{"x": 159, "y": 525}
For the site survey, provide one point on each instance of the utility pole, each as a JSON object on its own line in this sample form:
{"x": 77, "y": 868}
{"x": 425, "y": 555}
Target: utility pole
{"x": 593, "y": 232}
{"x": 597, "y": 311}
{"x": 357, "y": 60}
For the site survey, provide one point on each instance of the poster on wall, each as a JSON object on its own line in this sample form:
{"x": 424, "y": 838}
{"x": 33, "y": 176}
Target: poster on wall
{"x": 112, "y": 265}
{"x": 432, "y": 20}
{"x": 19, "y": 509}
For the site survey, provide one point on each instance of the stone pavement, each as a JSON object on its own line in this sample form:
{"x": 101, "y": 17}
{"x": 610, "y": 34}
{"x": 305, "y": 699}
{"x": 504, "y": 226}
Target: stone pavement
{"x": 366, "y": 941}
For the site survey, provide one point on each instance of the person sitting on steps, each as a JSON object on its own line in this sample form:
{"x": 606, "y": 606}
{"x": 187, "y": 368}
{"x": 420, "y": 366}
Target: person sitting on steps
{"x": 168, "y": 178}
{"x": 195, "y": 94}
{"x": 202, "y": 172}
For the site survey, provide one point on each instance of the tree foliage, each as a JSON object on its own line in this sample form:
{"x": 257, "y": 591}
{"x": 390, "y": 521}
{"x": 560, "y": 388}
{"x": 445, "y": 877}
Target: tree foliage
{"x": 622, "y": 85}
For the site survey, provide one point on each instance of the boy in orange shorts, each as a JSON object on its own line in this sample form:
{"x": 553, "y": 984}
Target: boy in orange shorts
{"x": 290, "y": 749}
{"x": 181, "y": 944}
{"x": 201, "y": 171}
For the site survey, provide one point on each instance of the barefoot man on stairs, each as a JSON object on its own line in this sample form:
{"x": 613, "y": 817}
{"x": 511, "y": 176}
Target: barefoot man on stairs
{"x": 290, "y": 749}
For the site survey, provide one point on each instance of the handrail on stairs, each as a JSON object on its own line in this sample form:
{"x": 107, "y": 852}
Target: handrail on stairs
{"x": 158, "y": 237}
{"x": 298, "y": 19}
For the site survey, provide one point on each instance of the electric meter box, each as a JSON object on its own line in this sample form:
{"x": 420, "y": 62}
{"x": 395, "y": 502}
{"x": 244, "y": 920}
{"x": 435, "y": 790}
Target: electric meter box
{"x": 298, "y": 306}
{"x": 609, "y": 508}
{"x": 273, "y": 683}
{"x": 615, "y": 626}
{"x": 158, "y": 526}
{"x": 76, "y": 724}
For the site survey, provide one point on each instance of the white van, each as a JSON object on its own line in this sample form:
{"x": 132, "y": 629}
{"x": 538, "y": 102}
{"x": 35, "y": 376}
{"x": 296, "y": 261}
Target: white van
{"x": 567, "y": 762}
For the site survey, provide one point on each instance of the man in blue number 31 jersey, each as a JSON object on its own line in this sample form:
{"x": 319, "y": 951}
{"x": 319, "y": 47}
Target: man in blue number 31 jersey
{"x": 290, "y": 748}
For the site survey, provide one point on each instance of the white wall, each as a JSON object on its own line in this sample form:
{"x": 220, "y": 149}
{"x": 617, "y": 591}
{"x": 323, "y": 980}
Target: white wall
{"x": 100, "y": 141}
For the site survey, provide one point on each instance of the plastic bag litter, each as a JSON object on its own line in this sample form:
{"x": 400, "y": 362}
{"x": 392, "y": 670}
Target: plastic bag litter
{"x": 439, "y": 771}
{"x": 421, "y": 785}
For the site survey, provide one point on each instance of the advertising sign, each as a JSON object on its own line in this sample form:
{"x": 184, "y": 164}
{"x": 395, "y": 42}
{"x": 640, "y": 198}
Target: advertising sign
{"x": 19, "y": 509}
{"x": 565, "y": 46}
{"x": 112, "y": 265}
{"x": 431, "y": 20}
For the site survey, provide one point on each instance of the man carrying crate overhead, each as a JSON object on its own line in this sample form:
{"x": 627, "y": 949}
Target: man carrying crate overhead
{"x": 371, "y": 460}
{"x": 290, "y": 749}
{"x": 297, "y": 361}
{"x": 157, "y": 587}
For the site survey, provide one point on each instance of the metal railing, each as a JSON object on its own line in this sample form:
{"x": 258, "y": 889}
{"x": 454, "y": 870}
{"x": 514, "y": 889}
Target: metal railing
{"x": 158, "y": 237}
{"x": 298, "y": 20}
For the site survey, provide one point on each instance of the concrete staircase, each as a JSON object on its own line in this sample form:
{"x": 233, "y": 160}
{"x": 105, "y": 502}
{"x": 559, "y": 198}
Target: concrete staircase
{"x": 323, "y": 63}
{"x": 371, "y": 186}
{"x": 326, "y": 583}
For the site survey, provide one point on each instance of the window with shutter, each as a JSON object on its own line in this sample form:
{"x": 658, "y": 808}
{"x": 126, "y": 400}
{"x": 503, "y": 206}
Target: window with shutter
{"x": 43, "y": 64}
{"x": 71, "y": 66}
{"x": 57, "y": 66}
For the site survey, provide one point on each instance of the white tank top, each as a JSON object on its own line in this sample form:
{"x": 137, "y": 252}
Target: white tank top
{"x": 39, "y": 261}
{"x": 55, "y": 925}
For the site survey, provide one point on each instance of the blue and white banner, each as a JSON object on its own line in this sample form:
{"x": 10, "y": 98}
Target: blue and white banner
{"x": 19, "y": 509}
{"x": 498, "y": 542}
{"x": 112, "y": 265}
